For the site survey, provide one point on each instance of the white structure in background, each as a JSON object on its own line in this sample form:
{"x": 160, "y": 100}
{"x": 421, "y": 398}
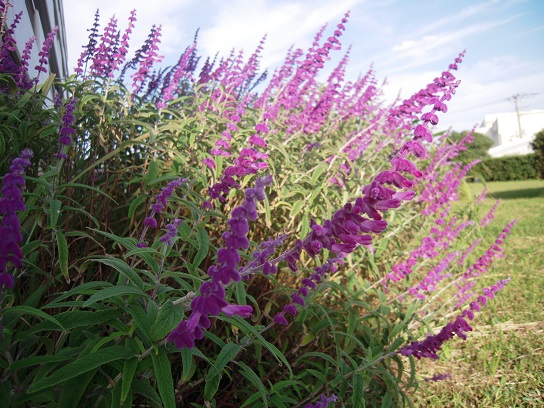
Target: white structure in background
{"x": 39, "y": 18}
{"x": 512, "y": 132}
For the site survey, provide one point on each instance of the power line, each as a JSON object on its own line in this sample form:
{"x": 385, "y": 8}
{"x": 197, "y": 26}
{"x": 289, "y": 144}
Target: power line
{"x": 494, "y": 102}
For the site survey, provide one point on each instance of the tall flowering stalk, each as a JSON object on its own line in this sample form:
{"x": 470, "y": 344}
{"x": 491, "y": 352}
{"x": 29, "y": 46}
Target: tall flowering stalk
{"x": 89, "y": 50}
{"x": 11, "y": 202}
{"x": 161, "y": 201}
{"x": 121, "y": 49}
{"x": 490, "y": 215}
{"x": 45, "y": 51}
{"x": 480, "y": 266}
{"x": 147, "y": 58}
{"x": 181, "y": 72}
{"x": 429, "y": 347}
{"x": 7, "y": 65}
{"x": 67, "y": 129}
{"x": 211, "y": 300}
{"x": 23, "y": 80}
{"x": 103, "y": 62}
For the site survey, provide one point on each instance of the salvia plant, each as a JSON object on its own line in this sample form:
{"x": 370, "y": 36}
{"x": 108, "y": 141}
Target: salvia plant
{"x": 207, "y": 235}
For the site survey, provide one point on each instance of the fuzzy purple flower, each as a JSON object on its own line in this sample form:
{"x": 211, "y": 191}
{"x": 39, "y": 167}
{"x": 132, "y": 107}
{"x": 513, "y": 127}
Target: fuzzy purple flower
{"x": 324, "y": 402}
{"x": 211, "y": 300}
{"x": 67, "y": 130}
{"x": 490, "y": 215}
{"x": 437, "y": 377}
{"x": 11, "y": 201}
{"x": 161, "y": 200}
{"x": 22, "y": 77}
{"x": 148, "y": 57}
{"x": 171, "y": 231}
{"x": 44, "y": 53}
{"x": 429, "y": 347}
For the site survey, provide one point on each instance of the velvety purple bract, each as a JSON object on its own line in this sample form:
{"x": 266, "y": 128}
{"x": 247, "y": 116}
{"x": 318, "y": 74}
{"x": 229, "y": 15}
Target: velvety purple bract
{"x": 11, "y": 202}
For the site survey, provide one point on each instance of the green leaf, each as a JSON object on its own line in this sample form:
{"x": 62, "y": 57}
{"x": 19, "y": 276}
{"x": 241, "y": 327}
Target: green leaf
{"x": 203, "y": 245}
{"x": 320, "y": 168}
{"x": 256, "y": 381}
{"x": 81, "y": 365}
{"x": 152, "y": 172}
{"x": 54, "y": 212}
{"x": 2, "y": 145}
{"x": 320, "y": 376}
{"x": 227, "y": 354}
{"x": 357, "y": 396}
{"x": 63, "y": 355}
{"x": 122, "y": 267}
{"x": 79, "y": 318}
{"x": 113, "y": 291}
{"x": 297, "y": 206}
{"x": 163, "y": 374}
{"x": 134, "y": 204}
{"x": 187, "y": 362}
{"x": 145, "y": 389}
{"x": 129, "y": 368}
{"x": 78, "y": 185}
{"x": 47, "y": 84}
{"x": 16, "y": 311}
{"x": 308, "y": 338}
{"x": 73, "y": 390}
{"x": 250, "y": 330}
{"x": 79, "y": 290}
{"x": 62, "y": 246}
{"x": 34, "y": 298}
{"x": 30, "y": 246}
{"x": 397, "y": 329}
{"x": 140, "y": 318}
{"x": 169, "y": 317}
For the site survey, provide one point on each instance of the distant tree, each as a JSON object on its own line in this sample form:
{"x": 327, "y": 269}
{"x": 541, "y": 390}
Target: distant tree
{"x": 476, "y": 150}
{"x": 538, "y": 147}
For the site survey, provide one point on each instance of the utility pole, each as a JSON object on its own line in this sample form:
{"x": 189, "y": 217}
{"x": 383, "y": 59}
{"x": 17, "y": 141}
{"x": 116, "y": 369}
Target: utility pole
{"x": 516, "y": 97}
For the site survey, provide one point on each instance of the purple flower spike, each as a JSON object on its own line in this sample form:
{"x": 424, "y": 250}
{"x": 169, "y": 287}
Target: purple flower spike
{"x": 67, "y": 129}
{"x": 211, "y": 300}
{"x": 11, "y": 201}
{"x": 171, "y": 231}
{"x": 44, "y": 53}
{"x": 429, "y": 347}
{"x": 324, "y": 402}
{"x": 161, "y": 200}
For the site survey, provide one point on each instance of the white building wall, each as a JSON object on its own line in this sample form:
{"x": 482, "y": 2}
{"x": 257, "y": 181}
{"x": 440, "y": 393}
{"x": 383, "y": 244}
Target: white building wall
{"x": 504, "y": 130}
{"x": 38, "y": 19}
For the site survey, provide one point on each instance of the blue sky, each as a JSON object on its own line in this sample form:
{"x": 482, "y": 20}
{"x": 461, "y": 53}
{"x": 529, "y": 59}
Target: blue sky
{"x": 408, "y": 42}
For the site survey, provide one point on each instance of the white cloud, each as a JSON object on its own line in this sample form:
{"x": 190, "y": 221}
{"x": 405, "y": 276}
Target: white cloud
{"x": 429, "y": 48}
{"x": 240, "y": 24}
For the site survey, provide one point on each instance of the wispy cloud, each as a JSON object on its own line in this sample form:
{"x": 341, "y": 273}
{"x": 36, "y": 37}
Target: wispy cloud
{"x": 241, "y": 24}
{"x": 475, "y": 10}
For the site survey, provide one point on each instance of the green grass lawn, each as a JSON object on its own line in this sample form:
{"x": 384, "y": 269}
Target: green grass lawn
{"x": 501, "y": 364}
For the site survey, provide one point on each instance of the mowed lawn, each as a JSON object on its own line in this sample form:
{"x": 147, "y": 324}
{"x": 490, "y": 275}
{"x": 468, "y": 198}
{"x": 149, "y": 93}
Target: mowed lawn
{"x": 501, "y": 364}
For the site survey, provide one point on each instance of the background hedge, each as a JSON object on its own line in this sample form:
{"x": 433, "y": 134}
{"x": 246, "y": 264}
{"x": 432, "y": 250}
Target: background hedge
{"x": 508, "y": 168}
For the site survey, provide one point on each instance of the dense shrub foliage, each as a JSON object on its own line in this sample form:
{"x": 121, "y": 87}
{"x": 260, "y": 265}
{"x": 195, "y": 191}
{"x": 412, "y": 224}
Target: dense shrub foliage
{"x": 172, "y": 237}
{"x": 509, "y": 168}
{"x": 477, "y": 150}
{"x": 538, "y": 147}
